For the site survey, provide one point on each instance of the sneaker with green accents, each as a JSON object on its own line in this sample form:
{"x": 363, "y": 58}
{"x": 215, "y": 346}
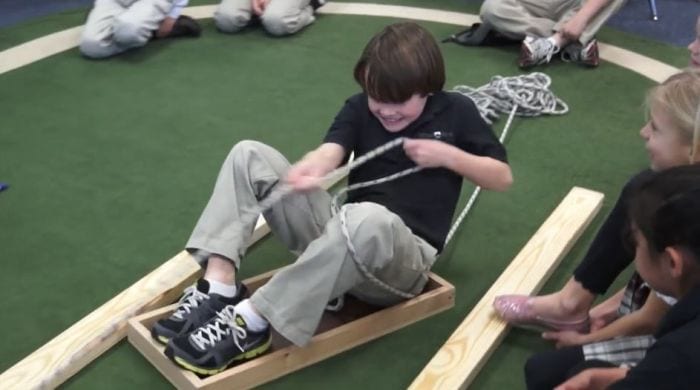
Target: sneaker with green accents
{"x": 196, "y": 307}
{"x": 221, "y": 342}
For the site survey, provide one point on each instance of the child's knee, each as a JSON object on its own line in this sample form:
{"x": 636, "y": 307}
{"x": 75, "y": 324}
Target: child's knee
{"x": 280, "y": 22}
{"x": 370, "y": 220}
{"x": 129, "y": 33}
{"x": 489, "y": 11}
{"x": 247, "y": 145}
{"x": 244, "y": 148}
{"x": 94, "y": 48}
{"x": 231, "y": 22}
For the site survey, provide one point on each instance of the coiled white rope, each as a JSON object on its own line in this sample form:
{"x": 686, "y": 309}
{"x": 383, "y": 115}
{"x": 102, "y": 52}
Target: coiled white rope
{"x": 529, "y": 93}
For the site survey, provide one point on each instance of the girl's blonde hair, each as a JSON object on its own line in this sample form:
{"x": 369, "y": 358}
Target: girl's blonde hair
{"x": 679, "y": 97}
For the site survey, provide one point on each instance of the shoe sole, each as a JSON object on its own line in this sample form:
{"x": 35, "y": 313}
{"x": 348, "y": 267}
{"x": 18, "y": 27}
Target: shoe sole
{"x": 211, "y": 371}
{"x": 537, "y": 326}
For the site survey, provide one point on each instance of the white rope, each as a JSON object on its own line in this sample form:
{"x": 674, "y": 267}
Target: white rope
{"x": 283, "y": 189}
{"x": 477, "y": 190}
{"x": 529, "y": 93}
{"x": 525, "y": 95}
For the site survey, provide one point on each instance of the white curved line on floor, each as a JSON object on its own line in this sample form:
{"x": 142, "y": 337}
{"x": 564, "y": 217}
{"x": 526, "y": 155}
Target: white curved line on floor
{"x": 58, "y": 42}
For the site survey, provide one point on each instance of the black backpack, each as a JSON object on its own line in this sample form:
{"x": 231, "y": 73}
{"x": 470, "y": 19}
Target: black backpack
{"x": 481, "y": 34}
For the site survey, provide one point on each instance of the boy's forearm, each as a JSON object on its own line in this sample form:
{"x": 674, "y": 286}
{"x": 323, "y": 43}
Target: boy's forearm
{"x": 487, "y": 172}
{"x": 326, "y": 157}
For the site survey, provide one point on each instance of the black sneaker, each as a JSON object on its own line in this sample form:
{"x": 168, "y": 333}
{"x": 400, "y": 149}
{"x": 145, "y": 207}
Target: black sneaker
{"x": 223, "y": 341}
{"x": 584, "y": 55}
{"x": 195, "y": 308}
{"x": 316, "y": 4}
{"x": 185, "y": 26}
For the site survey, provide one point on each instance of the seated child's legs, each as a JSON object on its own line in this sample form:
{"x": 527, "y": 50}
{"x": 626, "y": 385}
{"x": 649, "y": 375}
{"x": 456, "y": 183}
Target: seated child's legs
{"x": 285, "y": 17}
{"x": 295, "y": 298}
{"x": 96, "y": 40}
{"x": 595, "y": 23}
{"x": 135, "y": 26}
{"x": 517, "y": 18}
{"x": 233, "y": 15}
{"x": 249, "y": 173}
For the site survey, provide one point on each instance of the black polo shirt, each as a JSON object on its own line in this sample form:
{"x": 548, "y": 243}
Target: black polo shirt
{"x": 673, "y": 362}
{"x": 425, "y": 200}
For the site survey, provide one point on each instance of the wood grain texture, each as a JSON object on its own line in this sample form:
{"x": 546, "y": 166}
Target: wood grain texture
{"x": 459, "y": 360}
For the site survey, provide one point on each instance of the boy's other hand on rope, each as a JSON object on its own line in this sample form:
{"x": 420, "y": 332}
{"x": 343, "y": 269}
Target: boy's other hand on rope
{"x": 304, "y": 176}
{"x": 426, "y": 153}
{"x": 309, "y": 172}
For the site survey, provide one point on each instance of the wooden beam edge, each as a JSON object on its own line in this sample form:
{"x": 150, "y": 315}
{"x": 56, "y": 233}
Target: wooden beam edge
{"x": 457, "y": 363}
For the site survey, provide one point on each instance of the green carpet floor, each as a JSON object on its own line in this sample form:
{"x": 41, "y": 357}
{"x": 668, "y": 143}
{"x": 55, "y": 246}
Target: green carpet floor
{"x": 111, "y": 162}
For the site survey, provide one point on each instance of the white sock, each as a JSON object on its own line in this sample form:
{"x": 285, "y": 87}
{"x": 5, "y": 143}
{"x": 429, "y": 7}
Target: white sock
{"x": 223, "y": 289}
{"x": 253, "y": 320}
{"x": 554, "y": 41}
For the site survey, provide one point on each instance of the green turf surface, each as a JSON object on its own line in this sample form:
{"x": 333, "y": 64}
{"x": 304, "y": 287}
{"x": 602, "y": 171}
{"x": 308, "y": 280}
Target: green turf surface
{"x": 111, "y": 162}
{"x": 676, "y": 56}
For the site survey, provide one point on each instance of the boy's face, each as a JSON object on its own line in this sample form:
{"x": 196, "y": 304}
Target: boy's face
{"x": 397, "y": 116}
{"x": 694, "y": 47}
{"x": 651, "y": 270}
{"x": 664, "y": 143}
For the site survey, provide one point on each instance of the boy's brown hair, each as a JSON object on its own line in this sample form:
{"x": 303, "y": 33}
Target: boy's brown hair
{"x": 401, "y": 60}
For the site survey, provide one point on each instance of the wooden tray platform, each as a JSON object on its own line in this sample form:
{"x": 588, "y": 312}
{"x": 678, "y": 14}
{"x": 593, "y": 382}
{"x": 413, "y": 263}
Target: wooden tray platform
{"x": 357, "y": 323}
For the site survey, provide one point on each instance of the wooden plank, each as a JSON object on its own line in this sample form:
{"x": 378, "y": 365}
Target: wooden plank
{"x": 337, "y": 333}
{"x": 77, "y": 346}
{"x": 459, "y": 360}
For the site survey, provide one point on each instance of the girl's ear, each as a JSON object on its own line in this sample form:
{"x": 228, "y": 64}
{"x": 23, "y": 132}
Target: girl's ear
{"x": 674, "y": 260}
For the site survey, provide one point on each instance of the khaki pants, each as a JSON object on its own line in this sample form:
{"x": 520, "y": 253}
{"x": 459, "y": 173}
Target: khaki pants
{"x": 114, "y": 26}
{"x": 541, "y": 18}
{"x": 281, "y": 17}
{"x": 295, "y": 298}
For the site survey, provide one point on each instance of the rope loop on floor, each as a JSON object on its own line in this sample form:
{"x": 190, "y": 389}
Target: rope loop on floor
{"x": 530, "y": 93}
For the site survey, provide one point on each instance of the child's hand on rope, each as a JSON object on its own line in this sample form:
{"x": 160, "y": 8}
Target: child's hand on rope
{"x": 426, "y": 153}
{"x": 304, "y": 176}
